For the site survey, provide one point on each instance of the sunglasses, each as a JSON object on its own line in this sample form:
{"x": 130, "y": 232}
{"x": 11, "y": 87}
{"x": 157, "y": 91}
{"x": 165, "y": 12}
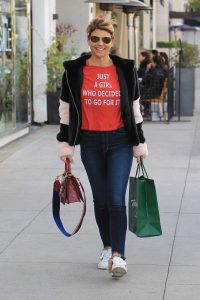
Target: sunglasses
{"x": 105, "y": 39}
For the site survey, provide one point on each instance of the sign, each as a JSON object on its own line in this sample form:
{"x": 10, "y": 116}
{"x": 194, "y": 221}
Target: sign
{"x": 184, "y": 15}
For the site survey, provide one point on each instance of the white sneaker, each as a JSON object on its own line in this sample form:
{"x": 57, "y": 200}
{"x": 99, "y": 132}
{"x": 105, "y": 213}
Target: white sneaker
{"x": 104, "y": 258}
{"x": 118, "y": 267}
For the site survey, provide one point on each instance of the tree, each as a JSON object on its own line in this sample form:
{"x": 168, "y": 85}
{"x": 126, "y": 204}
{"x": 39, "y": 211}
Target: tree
{"x": 195, "y": 4}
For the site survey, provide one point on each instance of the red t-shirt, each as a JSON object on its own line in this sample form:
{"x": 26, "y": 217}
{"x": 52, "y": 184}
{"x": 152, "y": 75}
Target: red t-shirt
{"x": 100, "y": 99}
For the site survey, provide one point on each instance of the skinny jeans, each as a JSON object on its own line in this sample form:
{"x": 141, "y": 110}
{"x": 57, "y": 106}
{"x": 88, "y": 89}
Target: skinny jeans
{"x": 107, "y": 157}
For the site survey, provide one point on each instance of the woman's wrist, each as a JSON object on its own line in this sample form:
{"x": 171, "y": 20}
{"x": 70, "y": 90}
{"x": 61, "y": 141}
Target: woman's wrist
{"x": 140, "y": 150}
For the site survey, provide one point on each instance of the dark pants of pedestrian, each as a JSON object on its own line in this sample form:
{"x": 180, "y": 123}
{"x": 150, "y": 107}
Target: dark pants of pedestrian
{"x": 107, "y": 157}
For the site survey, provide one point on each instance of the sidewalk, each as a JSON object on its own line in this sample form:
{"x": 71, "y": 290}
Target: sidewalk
{"x": 37, "y": 262}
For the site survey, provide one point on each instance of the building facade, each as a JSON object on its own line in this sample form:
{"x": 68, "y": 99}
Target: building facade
{"x": 26, "y": 31}
{"x": 15, "y": 68}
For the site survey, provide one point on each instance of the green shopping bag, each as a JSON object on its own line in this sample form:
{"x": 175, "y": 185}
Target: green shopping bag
{"x": 144, "y": 219}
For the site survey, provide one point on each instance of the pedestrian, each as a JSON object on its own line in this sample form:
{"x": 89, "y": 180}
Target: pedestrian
{"x": 152, "y": 84}
{"x": 153, "y": 79}
{"x": 100, "y": 110}
{"x": 165, "y": 65}
{"x": 115, "y": 51}
{"x": 144, "y": 60}
{"x": 152, "y": 53}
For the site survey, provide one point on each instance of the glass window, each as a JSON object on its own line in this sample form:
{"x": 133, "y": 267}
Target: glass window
{"x": 15, "y": 66}
{"x": 21, "y": 62}
{"x": 6, "y": 68}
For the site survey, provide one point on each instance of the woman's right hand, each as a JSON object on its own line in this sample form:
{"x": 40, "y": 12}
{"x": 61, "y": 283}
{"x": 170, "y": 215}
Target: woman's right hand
{"x": 65, "y": 157}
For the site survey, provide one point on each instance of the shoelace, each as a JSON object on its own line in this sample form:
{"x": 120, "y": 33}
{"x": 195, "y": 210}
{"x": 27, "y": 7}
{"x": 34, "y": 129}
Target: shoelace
{"x": 119, "y": 260}
{"x": 105, "y": 255}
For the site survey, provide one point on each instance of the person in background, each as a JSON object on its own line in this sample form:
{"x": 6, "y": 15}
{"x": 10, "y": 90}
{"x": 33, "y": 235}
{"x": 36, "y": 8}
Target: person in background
{"x": 100, "y": 110}
{"x": 115, "y": 51}
{"x": 152, "y": 82}
{"x": 152, "y": 53}
{"x": 165, "y": 59}
{"x": 144, "y": 60}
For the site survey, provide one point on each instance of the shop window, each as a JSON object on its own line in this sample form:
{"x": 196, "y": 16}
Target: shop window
{"x": 6, "y": 69}
{"x": 15, "y": 73}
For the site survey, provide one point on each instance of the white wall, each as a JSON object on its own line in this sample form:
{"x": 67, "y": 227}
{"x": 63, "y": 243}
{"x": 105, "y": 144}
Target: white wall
{"x": 146, "y": 30}
{"x": 162, "y": 21}
{"x": 192, "y": 37}
{"x": 177, "y": 6}
{"x": 78, "y": 13}
{"x": 43, "y": 27}
{"x": 162, "y": 25}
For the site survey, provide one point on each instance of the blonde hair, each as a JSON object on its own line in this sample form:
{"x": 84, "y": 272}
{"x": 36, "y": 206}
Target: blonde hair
{"x": 102, "y": 23}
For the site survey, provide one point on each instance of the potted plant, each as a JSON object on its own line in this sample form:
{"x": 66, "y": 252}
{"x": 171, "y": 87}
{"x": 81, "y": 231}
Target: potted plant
{"x": 186, "y": 70}
{"x": 55, "y": 55}
{"x": 186, "y": 62}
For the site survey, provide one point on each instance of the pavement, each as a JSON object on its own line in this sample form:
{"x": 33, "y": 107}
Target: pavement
{"x": 38, "y": 262}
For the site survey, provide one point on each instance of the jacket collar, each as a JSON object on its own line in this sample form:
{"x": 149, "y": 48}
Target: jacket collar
{"x": 81, "y": 61}
{"x": 124, "y": 69}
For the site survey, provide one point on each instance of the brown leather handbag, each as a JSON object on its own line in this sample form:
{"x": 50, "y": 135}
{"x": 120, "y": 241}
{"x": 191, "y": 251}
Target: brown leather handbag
{"x": 67, "y": 189}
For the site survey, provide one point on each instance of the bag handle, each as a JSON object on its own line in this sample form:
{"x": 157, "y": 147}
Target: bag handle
{"x": 56, "y": 205}
{"x": 67, "y": 166}
{"x": 140, "y": 167}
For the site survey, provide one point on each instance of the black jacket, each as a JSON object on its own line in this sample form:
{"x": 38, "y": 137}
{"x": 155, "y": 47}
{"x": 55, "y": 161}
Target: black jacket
{"x": 71, "y": 93}
{"x": 142, "y": 68}
{"x": 152, "y": 83}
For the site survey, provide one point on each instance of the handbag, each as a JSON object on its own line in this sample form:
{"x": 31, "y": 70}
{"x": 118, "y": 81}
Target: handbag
{"x": 67, "y": 189}
{"x": 143, "y": 216}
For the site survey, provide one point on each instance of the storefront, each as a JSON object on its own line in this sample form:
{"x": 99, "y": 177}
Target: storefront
{"x": 15, "y": 66}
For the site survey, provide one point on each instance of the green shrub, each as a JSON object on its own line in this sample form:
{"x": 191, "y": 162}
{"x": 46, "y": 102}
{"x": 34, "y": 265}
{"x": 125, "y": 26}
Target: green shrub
{"x": 190, "y": 55}
{"x": 190, "y": 52}
{"x": 57, "y": 53}
{"x": 170, "y": 44}
{"x": 55, "y": 56}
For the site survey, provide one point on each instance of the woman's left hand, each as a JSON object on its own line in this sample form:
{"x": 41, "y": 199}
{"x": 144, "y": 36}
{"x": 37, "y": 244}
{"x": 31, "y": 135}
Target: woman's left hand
{"x": 140, "y": 152}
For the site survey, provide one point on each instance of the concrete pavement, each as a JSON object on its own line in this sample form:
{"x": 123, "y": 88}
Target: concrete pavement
{"x": 38, "y": 262}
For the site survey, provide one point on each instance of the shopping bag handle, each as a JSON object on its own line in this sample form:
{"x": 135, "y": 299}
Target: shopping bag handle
{"x": 140, "y": 167}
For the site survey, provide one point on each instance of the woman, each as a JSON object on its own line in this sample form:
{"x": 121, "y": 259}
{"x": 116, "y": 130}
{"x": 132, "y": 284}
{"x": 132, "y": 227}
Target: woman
{"x": 152, "y": 53}
{"x": 99, "y": 109}
{"x": 144, "y": 60}
{"x": 115, "y": 51}
{"x": 152, "y": 81}
{"x": 165, "y": 65}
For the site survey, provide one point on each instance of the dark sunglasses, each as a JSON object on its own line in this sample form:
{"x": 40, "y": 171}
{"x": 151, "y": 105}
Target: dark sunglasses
{"x": 105, "y": 39}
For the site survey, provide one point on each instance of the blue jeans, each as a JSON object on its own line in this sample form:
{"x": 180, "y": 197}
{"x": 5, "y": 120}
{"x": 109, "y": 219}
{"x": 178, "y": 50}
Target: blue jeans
{"x": 107, "y": 157}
